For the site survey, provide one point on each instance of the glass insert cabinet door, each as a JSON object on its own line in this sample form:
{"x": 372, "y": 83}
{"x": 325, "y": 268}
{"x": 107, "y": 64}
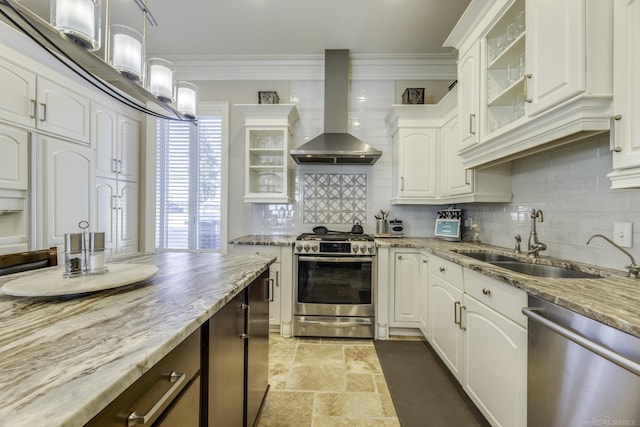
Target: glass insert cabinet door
{"x": 268, "y": 132}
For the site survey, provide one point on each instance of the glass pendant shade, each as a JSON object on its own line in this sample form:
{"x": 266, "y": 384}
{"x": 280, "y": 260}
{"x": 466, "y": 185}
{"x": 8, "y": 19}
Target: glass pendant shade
{"x": 160, "y": 79}
{"x": 79, "y": 20}
{"x": 126, "y": 52}
{"x": 186, "y": 99}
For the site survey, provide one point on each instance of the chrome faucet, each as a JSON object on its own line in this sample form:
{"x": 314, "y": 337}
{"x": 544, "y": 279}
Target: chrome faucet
{"x": 631, "y": 269}
{"x": 534, "y": 246}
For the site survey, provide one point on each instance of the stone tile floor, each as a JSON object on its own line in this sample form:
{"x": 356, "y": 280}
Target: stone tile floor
{"x": 321, "y": 382}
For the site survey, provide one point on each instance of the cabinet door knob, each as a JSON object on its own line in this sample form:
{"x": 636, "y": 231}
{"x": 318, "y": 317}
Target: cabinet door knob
{"x": 486, "y": 291}
{"x": 399, "y": 256}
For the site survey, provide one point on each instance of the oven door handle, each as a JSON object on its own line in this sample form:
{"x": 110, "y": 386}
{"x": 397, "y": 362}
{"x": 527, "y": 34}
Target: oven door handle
{"x": 335, "y": 259}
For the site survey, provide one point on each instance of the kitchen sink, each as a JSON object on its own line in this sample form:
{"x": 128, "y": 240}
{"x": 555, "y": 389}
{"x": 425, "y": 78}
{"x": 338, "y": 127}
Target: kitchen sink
{"x": 487, "y": 256}
{"x": 544, "y": 270}
{"x": 524, "y": 267}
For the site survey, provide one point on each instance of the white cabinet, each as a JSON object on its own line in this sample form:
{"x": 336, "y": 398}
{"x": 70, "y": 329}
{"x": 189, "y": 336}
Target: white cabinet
{"x": 495, "y": 349}
{"x": 625, "y": 123}
{"x": 406, "y": 289}
{"x": 280, "y": 283}
{"x": 117, "y": 141}
{"x": 544, "y": 83}
{"x": 37, "y": 102}
{"x": 268, "y": 130}
{"x": 14, "y": 158}
{"x": 445, "y": 300}
{"x": 117, "y": 215}
{"x": 427, "y": 169}
{"x": 18, "y": 88}
{"x": 468, "y": 97}
{"x": 414, "y": 137}
{"x": 68, "y": 189}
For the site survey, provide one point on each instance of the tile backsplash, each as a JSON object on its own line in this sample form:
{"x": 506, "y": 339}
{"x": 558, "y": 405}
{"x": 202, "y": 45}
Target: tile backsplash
{"x": 334, "y": 198}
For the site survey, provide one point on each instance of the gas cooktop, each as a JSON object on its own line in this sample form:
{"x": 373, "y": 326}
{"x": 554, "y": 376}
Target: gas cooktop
{"x": 335, "y": 236}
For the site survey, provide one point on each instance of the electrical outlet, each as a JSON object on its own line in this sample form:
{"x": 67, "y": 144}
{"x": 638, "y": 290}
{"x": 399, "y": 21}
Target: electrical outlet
{"x": 622, "y": 234}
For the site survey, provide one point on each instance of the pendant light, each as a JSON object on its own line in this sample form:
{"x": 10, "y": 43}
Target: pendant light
{"x": 126, "y": 52}
{"x": 186, "y": 99}
{"x": 79, "y": 20}
{"x": 160, "y": 79}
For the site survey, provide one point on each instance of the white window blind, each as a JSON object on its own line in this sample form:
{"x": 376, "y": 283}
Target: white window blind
{"x": 189, "y": 184}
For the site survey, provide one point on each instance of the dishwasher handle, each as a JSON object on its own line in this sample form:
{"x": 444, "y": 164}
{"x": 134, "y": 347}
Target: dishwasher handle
{"x": 596, "y": 348}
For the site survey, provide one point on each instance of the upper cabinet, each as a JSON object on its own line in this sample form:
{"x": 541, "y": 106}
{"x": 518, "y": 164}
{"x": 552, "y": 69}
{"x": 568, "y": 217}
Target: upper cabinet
{"x": 426, "y": 167}
{"x": 37, "y": 102}
{"x": 268, "y": 131}
{"x": 541, "y": 70}
{"x": 625, "y": 121}
{"x": 117, "y": 141}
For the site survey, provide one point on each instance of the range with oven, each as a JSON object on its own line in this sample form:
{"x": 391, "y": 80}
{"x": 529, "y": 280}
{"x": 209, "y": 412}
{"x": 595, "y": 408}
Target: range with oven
{"x": 334, "y": 285}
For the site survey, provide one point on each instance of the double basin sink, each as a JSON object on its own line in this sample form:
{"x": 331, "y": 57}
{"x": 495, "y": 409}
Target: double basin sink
{"x": 528, "y": 268}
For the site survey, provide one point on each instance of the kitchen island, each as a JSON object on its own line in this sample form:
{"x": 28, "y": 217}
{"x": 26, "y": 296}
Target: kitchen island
{"x": 64, "y": 359}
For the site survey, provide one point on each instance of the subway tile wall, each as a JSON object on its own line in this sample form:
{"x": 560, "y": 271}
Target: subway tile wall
{"x": 570, "y": 185}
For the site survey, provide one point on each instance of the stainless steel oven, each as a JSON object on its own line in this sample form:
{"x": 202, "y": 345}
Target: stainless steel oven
{"x": 334, "y": 286}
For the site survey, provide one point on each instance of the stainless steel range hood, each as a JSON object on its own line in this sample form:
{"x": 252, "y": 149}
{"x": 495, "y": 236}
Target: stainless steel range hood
{"x": 336, "y": 145}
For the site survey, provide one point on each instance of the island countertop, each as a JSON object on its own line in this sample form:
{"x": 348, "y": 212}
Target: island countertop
{"x": 64, "y": 359}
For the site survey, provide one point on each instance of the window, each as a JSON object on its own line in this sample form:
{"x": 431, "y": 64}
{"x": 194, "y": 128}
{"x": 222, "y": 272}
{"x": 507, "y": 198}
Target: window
{"x": 189, "y": 182}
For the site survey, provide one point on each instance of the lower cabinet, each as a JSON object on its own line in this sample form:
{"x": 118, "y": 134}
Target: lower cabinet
{"x": 235, "y": 358}
{"x": 480, "y": 335}
{"x": 406, "y": 276}
{"x": 280, "y": 284}
{"x": 445, "y": 299}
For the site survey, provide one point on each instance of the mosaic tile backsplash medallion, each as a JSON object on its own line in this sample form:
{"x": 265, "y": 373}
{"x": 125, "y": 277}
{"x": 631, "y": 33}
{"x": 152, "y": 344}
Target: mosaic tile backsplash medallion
{"x": 334, "y": 198}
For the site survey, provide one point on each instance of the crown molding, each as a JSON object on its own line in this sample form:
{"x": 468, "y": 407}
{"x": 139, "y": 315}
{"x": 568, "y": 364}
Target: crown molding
{"x": 311, "y": 67}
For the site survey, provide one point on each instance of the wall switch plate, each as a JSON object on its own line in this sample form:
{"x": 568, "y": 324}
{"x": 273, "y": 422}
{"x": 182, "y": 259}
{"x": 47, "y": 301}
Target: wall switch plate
{"x": 622, "y": 234}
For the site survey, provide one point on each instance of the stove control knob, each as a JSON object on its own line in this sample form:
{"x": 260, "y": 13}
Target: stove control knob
{"x": 371, "y": 249}
{"x": 298, "y": 247}
{"x": 314, "y": 248}
{"x": 354, "y": 248}
{"x": 362, "y": 248}
{"x": 306, "y": 248}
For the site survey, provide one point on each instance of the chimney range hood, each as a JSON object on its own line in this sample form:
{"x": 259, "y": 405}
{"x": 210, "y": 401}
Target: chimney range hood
{"x": 336, "y": 146}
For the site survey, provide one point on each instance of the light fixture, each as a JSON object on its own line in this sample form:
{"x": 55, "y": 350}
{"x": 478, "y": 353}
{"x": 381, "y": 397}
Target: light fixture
{"x": 79, "y": 20}
{"x": 126, "y": 52}
{"x": 160, "y": 79}
{"x": 186, "y": 99}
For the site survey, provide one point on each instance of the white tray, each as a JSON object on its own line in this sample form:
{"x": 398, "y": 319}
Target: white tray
{"x": 50, "y": 282}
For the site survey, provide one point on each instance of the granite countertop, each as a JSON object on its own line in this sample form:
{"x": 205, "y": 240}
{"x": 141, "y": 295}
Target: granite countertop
{"x": 613, "y": 300}
{"x": 64, "y": 359}
{"x": 265, "y": 240}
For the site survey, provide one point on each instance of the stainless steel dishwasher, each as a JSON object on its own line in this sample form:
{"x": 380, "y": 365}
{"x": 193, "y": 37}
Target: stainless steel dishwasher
{"x": 580, "y": 372}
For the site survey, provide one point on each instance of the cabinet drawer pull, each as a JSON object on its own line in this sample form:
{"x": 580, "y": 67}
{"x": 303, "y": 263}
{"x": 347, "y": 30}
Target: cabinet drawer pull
{"x": 527, "y": 77}
{"x": 486, "y": 291}
{"x": 135, "y": 418}
{"x": 456, "y": 310}
{"x": 270, "y": 290}
{"x": 442, "y": 269}
{"x": 463, "y": 327}
{"x": 612, "y": 133}
{"x": 43, "y": 112}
